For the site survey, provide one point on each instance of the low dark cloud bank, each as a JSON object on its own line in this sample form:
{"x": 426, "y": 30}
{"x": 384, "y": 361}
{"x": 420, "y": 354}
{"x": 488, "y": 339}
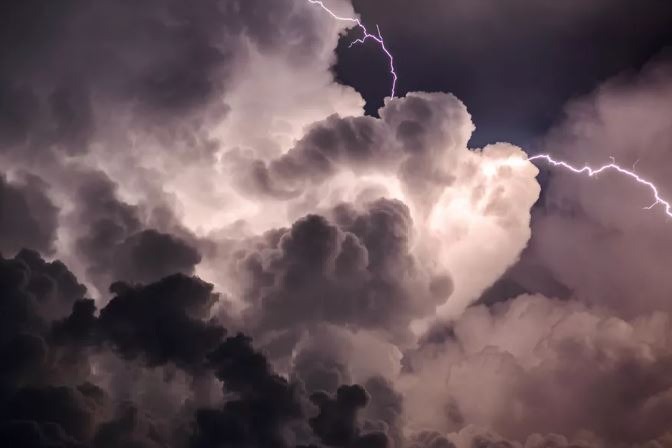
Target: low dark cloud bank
{"x": 48, "y": 399}
{"x": 206, "y": 243}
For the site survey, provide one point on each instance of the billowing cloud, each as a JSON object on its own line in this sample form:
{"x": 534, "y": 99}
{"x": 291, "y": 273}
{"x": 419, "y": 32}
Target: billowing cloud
{"x": 417, "y": 152}
{"x": 358, "y": 274}
{"x": 205, "y": 243}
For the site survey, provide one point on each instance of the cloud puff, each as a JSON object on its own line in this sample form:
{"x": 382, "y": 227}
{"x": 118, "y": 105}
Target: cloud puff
{"x": 357, "y": 271}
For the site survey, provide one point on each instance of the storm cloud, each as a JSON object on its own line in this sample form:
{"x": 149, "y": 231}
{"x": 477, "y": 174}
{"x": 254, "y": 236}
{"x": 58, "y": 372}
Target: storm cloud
{"x": 206, "y": 242}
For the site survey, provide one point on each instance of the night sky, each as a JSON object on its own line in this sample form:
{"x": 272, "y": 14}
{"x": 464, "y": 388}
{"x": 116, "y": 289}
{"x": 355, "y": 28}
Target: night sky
{"x": 536, "y": 55}
{"x": 218, "y": 230}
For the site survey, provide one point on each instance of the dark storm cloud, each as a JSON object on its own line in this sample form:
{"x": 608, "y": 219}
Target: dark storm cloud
{"x": 34, "y": 291}
{"x": 162, "y": 323}
{"x": 46, "y": 399}
{"x": 51, "y": 283}
{"x": 41, "y": 404}
{"x": 264, "y": 407}
{"x": 107, "y": 220}
{"x": 44, "y": 395}
{"x": 150, "y": 255}
{"x": 354, "y": 270}
{"x": 65, "y": 65}
{"x": 73, "y": 409}
{"x": 129, "y": 93}
{"x": 338, "y": 422}
{"x": 515, "y": 63}
{"x": 278, "y": 408}
{"x": 28, "y": 218}
{"x": 116, "y": 244}
{"x": 134, "y": 323}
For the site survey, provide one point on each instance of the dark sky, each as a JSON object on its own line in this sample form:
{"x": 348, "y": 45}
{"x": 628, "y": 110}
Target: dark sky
{"x": 514, "y": 63}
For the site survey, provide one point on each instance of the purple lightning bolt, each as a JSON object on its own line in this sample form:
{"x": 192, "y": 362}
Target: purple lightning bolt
{"x": 658, "y": 199}
{"x": 587, "y": 170}
{"x": 378, "y": 38}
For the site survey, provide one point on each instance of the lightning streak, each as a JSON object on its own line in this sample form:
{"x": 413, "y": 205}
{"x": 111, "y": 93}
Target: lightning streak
{"x": 587, "y": 170}
{"x": 590, "y": 171}
{"x": 378, "y": 38}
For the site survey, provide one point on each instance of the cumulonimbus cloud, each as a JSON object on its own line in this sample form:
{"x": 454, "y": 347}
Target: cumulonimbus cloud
{"x": 201, "y": 174}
